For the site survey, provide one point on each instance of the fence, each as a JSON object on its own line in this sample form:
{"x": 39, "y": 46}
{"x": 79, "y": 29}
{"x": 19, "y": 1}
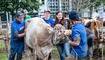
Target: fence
{"x": 4, "y": 37}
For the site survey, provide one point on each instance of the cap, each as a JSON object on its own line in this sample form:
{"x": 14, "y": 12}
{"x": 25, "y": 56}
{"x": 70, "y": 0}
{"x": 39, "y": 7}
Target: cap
{"x": 24, "y": 11}
{"x": 47, "y": 10}
{"x": 74, "y": 15}
{"x": 19, "y": 14}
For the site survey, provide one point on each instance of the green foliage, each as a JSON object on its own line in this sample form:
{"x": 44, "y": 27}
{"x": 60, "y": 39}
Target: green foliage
{"x": 98, "y": 3}
{"x": 14, "y": 5}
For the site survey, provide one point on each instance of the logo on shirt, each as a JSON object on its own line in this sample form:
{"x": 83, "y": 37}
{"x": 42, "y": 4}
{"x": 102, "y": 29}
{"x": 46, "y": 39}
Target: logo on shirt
{"x": 22, "y": 28}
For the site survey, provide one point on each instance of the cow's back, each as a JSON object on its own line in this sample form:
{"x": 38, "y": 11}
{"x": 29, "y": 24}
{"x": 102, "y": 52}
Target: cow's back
{"x": 35, "y": 28}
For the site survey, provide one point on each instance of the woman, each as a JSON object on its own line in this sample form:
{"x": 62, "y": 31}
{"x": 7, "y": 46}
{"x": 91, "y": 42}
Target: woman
{"x": 63, "y": 46}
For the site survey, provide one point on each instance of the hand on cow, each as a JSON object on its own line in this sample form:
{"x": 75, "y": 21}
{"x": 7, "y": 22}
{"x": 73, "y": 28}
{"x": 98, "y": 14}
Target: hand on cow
{"x": 67, "y": 32}
{"x": 69, "y": 41}
{"x": 25, "y": 30}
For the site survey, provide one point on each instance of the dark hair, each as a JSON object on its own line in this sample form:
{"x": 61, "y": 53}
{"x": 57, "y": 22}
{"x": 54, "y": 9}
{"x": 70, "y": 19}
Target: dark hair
{"x": 46, "y": 11}
{"x": 56, "y": 19}
{"x": 88, "y": 24}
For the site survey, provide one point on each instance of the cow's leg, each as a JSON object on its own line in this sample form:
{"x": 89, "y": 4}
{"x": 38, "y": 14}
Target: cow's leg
{"x": 29, "y": 53}
{"x": 34, "y": 55}
{"x": 47, "y": 58}
{"x": 50, "y": 56}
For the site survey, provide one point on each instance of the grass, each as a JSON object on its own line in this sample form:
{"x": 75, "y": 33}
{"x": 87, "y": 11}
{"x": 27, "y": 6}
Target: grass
{"x": 55, "y": 52}
{"x": 3, "y": 56}
{"x": 2, "y": 46}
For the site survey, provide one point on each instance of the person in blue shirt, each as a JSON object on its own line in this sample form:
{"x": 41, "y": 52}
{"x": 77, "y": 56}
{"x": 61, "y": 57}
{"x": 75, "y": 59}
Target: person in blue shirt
{"x": 17, "y": 37}
{"x": 47, "y": 18}
{"x": 79, "y": 38}
{"x": 49, "y": 21}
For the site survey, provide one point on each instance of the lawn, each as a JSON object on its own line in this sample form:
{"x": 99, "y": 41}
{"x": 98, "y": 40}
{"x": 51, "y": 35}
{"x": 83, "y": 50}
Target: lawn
{"x": 2, "y": 46}
{"x": 55, "y": 54}
{"x": 3, "y": 56}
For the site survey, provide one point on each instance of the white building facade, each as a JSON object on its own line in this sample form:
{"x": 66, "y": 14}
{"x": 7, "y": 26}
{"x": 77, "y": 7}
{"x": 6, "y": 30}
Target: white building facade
{"x": 54, "y": 6}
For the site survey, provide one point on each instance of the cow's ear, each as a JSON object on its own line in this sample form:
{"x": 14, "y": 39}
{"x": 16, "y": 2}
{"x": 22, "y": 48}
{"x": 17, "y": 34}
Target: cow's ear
{"x": 50, "y": 30}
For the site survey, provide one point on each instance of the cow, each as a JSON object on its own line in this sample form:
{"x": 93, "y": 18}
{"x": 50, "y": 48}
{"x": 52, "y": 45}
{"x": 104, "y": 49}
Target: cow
{"x": 95, "y": 26}
{"x": 41, "y": 37}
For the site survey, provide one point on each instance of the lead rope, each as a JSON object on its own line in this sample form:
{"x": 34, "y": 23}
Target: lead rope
{"x": 76, "y": 54}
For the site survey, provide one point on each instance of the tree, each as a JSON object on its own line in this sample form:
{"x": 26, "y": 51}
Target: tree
{"x": 83, "y": 4}
{"x": 14, "y": 5}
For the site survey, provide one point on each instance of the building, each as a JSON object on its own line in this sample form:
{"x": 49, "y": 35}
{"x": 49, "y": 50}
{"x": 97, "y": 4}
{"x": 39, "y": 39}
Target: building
{"x": 54, "y": 6}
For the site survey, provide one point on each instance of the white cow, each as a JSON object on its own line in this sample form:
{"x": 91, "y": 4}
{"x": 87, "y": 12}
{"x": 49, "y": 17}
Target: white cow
{"x": 38, "y": 36}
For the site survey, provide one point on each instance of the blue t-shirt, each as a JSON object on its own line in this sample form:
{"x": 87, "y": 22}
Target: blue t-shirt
{"x": 17, "y": 28}
{"x": 79, "y": 31}
{"x": 49, "y": 21}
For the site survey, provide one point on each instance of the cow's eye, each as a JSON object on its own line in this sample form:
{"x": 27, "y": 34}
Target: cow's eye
{"x": 63, "y": 31}
{"x": 60, "y": 31}
{"x": 55, "y": 28}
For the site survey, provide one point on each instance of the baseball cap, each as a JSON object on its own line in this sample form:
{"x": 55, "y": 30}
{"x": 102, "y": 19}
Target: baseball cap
{"x": 24, "y": 11}
{"x": 19, "y": 14}
{"x": 73, "y": 15}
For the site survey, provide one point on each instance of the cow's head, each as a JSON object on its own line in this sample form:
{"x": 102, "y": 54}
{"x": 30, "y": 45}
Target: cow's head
{"x": 94, "y": 27}
{"x": 58, "y": 33}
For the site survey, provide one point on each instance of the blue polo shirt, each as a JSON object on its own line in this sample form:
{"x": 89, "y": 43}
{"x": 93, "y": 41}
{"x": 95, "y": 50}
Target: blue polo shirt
{"x": 79, "y": 31}
{"x": 17, "y": 28}
{"x": 49, "y": 21}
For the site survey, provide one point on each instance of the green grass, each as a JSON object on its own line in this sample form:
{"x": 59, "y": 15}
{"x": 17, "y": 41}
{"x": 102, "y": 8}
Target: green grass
{"x": 3, "y": 56}
{"x": 2, "y": 46}
{"x": 55, "y": 52}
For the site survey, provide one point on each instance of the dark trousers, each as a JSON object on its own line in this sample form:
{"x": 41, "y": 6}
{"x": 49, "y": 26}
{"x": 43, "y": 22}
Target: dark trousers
{"x": 90, "y": 40}
{"x": 16, "y": 49}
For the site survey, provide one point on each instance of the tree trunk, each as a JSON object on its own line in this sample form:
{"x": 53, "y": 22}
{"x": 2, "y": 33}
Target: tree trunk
{"x": 0, "y": 25}
{"x": 91, "y": 10}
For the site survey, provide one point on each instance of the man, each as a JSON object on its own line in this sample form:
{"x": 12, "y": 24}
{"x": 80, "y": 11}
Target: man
{"x": 79, "y": 39}
{"x": 50, "y": 21}
{"x": 17, "y": 37}
{"x": 90, "y": 40}
{"x": 47, "y": 18}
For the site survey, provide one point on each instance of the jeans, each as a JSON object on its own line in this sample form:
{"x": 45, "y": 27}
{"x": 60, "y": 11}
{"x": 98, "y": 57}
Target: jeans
{"x": 17, "y": 49}
{"x": 13, "y": 53}
{"x": 64, "y": 49}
